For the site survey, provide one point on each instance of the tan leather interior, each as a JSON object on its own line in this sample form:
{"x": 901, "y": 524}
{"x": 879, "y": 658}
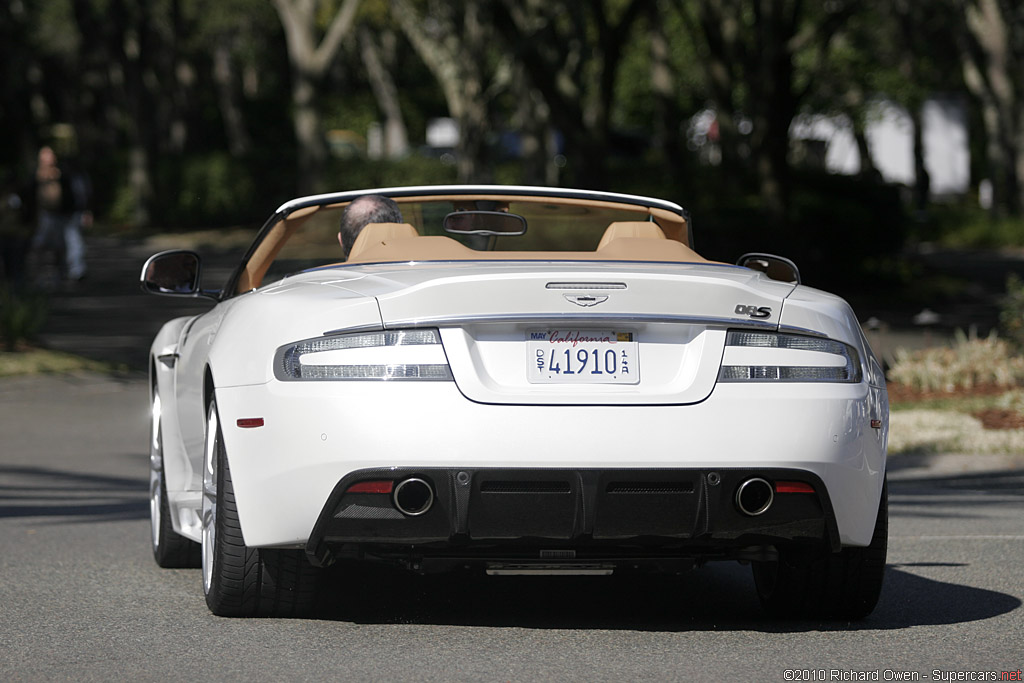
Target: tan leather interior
{"x": 380, "y": 234}
{"x": 640, "y": 229}
{"x": 674, "y": 225}
{"x": 656, "y": 235}
{"x": 252, "y": 276}
{"x": 391, "y": 246}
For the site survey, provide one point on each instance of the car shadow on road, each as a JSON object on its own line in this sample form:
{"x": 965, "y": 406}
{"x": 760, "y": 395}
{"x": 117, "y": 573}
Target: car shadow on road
{"x": 718, "y": 597}
{"x": 60, "y": 496}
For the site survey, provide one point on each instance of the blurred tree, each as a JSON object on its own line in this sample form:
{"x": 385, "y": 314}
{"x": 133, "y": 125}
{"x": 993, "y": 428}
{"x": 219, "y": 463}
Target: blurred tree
{"x": 667, "y": 136}
{"x": 378, "y": 46}
{"x": 119, "y": 62}
{"x": 751, "y": 49}
{"x": 395, "y": 134}
{"x": 456, "y": 42}
{"x": 230, "y": 38}
{"x": 901, "y": 51}
{"x": 993, "y": 64}
{"x": 311, "y": 51}
{"x": 182, "y": 107}
{"x": 20, "y": 74}
{"x": 571, "y": 52}
{"x": 859, "y": 64}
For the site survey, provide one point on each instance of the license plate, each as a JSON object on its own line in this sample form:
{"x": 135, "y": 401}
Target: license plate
{"x": 582, "y": 357}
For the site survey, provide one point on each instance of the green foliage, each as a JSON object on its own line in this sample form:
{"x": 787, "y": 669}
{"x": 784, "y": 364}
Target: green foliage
{"x": 21, "y": 317}
{"x": 963, "y": 226}
{"x": 355, "y": 174}
{"x": 214, "y": 185}
{"x": 1011, "y": 311}
{"x": 839, "y": 226}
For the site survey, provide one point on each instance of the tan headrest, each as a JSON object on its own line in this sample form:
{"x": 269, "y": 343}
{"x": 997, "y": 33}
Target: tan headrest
{"x": 375, "y": 234}
{"x": 644, "y": 229}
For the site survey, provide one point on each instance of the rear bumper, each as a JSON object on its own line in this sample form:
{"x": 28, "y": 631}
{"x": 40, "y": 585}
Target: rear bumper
{"x": 317, "y": 434}
{"x": 538, "y": 514}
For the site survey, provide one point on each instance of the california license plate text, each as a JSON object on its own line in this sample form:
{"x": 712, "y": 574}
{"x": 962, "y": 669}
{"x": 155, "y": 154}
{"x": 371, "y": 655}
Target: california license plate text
{"x": 582, "y": 357}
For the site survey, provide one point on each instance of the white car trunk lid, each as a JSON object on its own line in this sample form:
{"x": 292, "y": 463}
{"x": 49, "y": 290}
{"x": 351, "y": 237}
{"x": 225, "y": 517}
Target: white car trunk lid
{"x": 593, "y": 335}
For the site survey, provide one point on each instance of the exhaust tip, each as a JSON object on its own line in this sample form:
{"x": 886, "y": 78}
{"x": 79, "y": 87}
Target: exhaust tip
{"x": 754, "y": 496}
{"x": 413, "y": 496}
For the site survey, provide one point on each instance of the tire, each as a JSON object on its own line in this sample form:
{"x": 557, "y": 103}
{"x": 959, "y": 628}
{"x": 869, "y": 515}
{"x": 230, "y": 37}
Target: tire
{"x": 815, "y": 583}
{"x": 239, "y": 581}
{"x": 170, "y": 549}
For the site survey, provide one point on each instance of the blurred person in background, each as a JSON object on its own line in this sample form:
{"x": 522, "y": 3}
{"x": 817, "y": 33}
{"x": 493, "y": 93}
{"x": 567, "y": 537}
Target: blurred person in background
{"x": 57, "y": 200}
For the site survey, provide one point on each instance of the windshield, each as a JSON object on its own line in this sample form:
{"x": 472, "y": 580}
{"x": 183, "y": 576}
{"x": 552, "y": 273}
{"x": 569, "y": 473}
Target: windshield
{"x": 551, "y": 226}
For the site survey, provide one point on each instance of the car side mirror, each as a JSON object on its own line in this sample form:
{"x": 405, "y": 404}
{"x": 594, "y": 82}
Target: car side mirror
{"x": 776, "y": 267}
{"x": 172, "y": 273}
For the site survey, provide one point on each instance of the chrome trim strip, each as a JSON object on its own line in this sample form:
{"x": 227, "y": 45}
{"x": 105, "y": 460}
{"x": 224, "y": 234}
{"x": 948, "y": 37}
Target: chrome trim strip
{"x": 585, "y": 285}
{"x": 369, "y": 327}
{"x": 563, "y": 319}
{"x": 508, "y": 190}
{"x": 792, "y": 329}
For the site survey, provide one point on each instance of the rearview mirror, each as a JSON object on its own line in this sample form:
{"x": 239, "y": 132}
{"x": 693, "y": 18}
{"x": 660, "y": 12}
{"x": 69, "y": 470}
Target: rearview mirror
{"x": 172, "y": 273}
{"x": 776, "y": 267}
{"x": 497, "y": 223}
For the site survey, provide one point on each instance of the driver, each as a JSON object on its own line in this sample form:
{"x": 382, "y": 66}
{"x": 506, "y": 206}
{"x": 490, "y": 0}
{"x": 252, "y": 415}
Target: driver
{"x": 361, "y": 211}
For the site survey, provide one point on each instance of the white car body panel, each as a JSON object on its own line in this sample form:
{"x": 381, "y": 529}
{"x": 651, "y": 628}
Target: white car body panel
{"x": 417, "y": 429}
{"x": 679, "y": 415}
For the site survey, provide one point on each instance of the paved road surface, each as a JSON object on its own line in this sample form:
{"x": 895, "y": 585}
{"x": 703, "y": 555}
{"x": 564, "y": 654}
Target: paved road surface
{"x": 107, "y": 316}
{"x": 82, "y": 600}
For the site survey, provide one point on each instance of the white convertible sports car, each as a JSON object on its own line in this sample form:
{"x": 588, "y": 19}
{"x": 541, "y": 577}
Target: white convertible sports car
{"x": 525, "y": 380}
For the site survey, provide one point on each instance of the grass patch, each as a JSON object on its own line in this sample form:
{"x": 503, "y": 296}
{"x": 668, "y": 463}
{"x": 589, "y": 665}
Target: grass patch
{"x": 42, "y": 361}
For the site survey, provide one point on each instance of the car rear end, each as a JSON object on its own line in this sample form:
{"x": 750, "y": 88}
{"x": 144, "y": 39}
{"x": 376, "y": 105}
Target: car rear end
{"x": 560, "y": 417}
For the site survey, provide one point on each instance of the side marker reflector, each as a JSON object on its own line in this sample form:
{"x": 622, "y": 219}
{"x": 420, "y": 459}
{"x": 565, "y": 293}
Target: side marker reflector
{"x": 249, "y": 422}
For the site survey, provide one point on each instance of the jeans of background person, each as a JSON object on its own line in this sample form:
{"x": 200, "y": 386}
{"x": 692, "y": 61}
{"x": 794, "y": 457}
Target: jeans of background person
{"x": 51, "y": 237}
{"x": 61, "y": 234}
{"x": 74, "y": 247}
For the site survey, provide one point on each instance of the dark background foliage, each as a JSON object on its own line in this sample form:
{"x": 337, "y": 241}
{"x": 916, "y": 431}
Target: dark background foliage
{"x": 190, "y": 114}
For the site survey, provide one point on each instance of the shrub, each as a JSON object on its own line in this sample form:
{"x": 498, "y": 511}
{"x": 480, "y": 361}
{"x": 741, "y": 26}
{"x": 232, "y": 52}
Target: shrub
{"x": 969, "y": 363}
{"x": 21, "y": 317}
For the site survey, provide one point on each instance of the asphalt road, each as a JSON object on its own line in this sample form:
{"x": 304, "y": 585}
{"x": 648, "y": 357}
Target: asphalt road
{"x": 81, "y": 598}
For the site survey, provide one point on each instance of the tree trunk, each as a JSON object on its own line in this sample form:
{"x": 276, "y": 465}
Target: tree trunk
{"x": 569, "y": 56}
{"x": 456, "y": 54}
{"x": 396, "y": 137}
{"x": 310, "y": 60}
{"x": 922, "y": 180}
{"x": 239, "y": 142}
{"x": 993, "y": 63}
{"x": 308, "y": 132}
{"x": 666, "y": 139}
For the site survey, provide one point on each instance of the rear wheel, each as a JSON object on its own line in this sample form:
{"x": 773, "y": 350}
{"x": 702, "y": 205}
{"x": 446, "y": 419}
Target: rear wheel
{"x": 170, "y": 549}
{"x": 240, "y": 581}
{"x": 822, "y": 584}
